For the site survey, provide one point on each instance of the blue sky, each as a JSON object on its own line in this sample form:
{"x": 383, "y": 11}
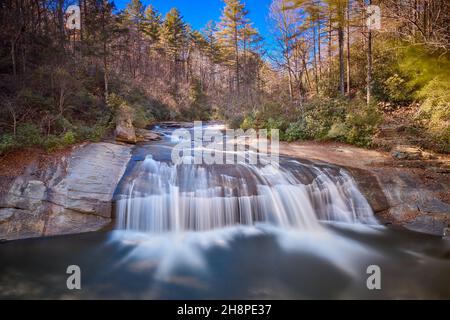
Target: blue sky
{"x": 198, "y": 12}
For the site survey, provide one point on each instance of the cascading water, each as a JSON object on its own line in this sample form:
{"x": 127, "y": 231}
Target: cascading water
{"x": 160, "y": 196}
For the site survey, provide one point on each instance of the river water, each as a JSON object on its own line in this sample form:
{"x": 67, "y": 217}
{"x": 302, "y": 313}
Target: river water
{"x": 298, "y": 230}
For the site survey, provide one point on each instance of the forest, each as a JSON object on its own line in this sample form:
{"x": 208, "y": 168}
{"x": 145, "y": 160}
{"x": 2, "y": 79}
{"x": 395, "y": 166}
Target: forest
{"x": 328, "y": 74}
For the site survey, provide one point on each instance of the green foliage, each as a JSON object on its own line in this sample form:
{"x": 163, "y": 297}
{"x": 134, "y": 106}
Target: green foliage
{"x": 396, "y": 89}
{"x": 361, "y": 124}
{"x": 321, "y": 119}
{"x": 28, "y": 135}
{"x": 296, "y": 131}
{"x": 435, "y": 111}
{"x": 7, "y": 143}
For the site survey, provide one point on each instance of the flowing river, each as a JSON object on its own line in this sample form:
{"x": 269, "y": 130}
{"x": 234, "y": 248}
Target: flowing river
{"x": 297, "y": 230}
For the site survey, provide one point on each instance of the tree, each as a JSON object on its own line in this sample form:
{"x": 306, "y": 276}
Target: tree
{"x": 152, "y": 24}
{"x": 173, "y": 33}
{"x": 232, "y": 21}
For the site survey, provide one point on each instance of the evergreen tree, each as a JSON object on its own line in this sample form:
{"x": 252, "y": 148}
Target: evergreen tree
{"x": 173, "y": 33}
{"x": 152, "y": 24}
{"x": 232, "y": 21}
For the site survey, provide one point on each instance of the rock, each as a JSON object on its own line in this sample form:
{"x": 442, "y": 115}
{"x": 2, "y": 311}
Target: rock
{"x": 406, "y": 153}
{"x": 6, "y": 214}
{"x": 431, "y": 224}
{"x": 147, "y": 135}
{"x": 22, "y": 224}
{"x": 446, "y": 235}
{"x": 27, "y": 195}
{"x": 65, "y": 221}
{"x": 125, "y": 132}
{"x": 92, "y": 176}
{"x": 411, "y": 153}
{"x": 73, "y": 196}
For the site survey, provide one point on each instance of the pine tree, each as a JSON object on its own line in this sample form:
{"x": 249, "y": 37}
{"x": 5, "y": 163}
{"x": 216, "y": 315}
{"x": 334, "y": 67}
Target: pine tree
{"x": 152, "y": 24}
{"x": 173, "y": 33}
{"x": 233, "y": 19}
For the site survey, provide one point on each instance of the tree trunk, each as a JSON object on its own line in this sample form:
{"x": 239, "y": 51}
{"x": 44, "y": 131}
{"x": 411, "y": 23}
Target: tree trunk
{"x": 369, "y": 63}
{"x": 341, "y": 59}
{"x": 348, "y": 48}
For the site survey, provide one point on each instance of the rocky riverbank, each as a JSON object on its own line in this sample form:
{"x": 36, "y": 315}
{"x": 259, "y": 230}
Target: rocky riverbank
{"x": 412, "y": 193}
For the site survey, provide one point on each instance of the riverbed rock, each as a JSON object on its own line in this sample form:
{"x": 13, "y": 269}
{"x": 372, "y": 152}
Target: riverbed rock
{"x": 446, "y": 235}
{"x": 71, "y": 196}
{"x": 147, "y": 135}
{"x": 125, "y": 132}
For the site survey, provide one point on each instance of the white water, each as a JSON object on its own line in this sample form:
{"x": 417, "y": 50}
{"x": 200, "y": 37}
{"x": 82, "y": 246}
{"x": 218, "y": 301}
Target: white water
{"x": 163, "y": 197}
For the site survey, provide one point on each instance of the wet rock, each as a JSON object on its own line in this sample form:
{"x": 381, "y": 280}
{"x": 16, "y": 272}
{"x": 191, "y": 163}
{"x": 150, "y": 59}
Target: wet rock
{"x": 147, "y": 135}
{"x": 22, "y": 224}
{"x": 446, "y": 234}
{"x": 66, "y": 221}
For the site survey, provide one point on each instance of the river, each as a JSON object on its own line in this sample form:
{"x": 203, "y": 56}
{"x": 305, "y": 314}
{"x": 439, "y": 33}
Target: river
{"x": 301, "y": 230}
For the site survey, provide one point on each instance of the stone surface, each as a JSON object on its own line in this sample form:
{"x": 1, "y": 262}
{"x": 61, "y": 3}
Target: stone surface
{"x": 74, "y": 195}
{"x": 405, "y": 152}
{"x": 125, "y": 132}
{"x": 446, "y": 234}
{"x": 147, "y": 135}
{"x": 415, "y": 197}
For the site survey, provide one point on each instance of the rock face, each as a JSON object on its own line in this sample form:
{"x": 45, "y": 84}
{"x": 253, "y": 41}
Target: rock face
{"x": 71, "y": 196}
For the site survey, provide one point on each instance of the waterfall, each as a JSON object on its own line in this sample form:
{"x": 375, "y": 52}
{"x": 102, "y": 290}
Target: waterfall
{"x": 159, "y": 196}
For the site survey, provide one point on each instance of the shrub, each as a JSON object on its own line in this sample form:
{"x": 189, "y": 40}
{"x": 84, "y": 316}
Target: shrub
{"x": 248, "y": 123}
{"x": 296, "y": 131}
{"x": 7, "y": 143}
{"x": 361, "y": 124}
{"x": 435, "y": 111}
{"x": 28, "y": 135}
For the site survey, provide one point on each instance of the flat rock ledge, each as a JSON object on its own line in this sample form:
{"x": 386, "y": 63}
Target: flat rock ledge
{"x": 72, "y": 196}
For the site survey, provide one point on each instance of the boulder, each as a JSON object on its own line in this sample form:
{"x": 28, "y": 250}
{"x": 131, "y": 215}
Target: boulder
{"x": 75, "y": 195}
{"x": 406, "y": 153}
{"x": 147, "y": 135}
{"x": 446, "y": 235}
{"x": 125, "y": 132}
{"x": 411, "y": 153}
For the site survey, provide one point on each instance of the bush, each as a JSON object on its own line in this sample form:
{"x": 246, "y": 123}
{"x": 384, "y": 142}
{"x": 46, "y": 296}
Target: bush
{"x": 248, "y": 123}
{"x": 296, "y": 131}
{"x": 7, "y": 143}
{"x": 361, "y": 124}
{"x": 68, "y": 138}
{"x": 435, "y": 111}
{"x": 28, "y": 135}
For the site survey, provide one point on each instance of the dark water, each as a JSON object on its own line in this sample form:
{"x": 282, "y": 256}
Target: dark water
{"x": 239, "y": 262}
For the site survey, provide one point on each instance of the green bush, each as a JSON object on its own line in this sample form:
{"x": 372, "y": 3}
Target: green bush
{"x": 435, "y": 111}
{"x": 362, "y": 123}
{"x": 296, "y": 131}
{"x": 248, "y": 123}
{"x": 7, "y": 143}
{"x": 68, "y": 138}
{"x": 28, "y": 135}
